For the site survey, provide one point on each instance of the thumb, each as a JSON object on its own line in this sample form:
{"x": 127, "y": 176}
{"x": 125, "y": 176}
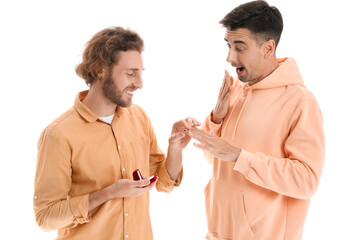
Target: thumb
{"x": 176, "y": 136}
{"x": 142, "y": 183}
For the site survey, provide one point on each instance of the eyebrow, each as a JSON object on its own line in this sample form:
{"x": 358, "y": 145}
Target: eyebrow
{"x": 236, "y": 41}
{"x": 136, "y": 69}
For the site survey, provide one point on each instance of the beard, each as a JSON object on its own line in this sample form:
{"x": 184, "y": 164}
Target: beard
{"x": 244, "y": 79}
{"x": 111, "y": 92}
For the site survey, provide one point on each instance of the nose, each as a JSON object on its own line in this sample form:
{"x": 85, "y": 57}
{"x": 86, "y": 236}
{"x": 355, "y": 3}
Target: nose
{"x": 138, "y": 82}
{"x": 231, "y": 57}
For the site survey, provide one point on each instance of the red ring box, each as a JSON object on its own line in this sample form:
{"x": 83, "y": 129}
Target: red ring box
{"x": 137, "y": 176}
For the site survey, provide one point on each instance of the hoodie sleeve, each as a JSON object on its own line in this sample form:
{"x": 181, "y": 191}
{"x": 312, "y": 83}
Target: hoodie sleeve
{"x": 298, "y": 174}
{"x": 212, "y": 128}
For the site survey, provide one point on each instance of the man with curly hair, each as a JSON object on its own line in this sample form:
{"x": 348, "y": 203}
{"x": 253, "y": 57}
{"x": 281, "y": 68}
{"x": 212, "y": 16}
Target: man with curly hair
{"x": 84, "y": 185}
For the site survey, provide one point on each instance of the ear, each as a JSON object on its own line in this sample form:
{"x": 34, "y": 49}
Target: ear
{"x": 269, "y": 48}
{"x": 101, "y": 74}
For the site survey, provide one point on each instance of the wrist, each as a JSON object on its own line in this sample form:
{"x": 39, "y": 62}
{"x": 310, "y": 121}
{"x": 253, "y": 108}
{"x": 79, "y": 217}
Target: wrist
{"x": 236, "y": 154}
{"x": 108, "y": 193}
{"x": 97, "y": 198}
{"x": 174, "y": 150}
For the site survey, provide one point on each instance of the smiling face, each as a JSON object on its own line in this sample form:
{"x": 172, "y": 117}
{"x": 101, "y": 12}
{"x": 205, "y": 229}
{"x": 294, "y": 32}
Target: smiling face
{"x": 125, "y": 78}
{"x": 248, "y": 55}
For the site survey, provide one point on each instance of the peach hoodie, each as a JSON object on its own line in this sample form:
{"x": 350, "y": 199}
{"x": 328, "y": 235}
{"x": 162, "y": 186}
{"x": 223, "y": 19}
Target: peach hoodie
{"x": 265, "y": 194}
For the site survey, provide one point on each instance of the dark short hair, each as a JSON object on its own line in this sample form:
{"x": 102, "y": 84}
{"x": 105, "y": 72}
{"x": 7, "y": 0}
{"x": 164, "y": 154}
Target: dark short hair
{"x": 262, "y": 20}
{"x": 101, "y": 52}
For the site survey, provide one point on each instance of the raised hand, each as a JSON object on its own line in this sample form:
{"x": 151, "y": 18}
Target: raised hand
{"x": 223, "y": 102}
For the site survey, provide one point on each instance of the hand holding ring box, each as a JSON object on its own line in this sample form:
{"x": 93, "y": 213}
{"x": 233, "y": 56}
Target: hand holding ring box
{"x": 137, "y": 176}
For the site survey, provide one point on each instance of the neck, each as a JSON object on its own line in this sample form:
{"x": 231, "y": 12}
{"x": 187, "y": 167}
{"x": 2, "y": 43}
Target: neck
{"x": 98, "y": 103}
{"x": 271, "y": 67}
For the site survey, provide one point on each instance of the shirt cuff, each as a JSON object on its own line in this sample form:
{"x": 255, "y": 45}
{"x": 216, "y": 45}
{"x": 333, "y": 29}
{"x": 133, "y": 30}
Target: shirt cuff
{"x": 165, "y": 183}
{"x": 80, "y": 207}
{"x": 242, "y": 164}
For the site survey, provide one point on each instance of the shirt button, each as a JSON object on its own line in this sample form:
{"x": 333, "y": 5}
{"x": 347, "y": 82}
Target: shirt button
{"x": 126, "y": 236}
{"x": 35, "y": 197}
{"x": 123, "y": 169}
{"x": 119, "y": 147}
{"x": 126, "y": 214}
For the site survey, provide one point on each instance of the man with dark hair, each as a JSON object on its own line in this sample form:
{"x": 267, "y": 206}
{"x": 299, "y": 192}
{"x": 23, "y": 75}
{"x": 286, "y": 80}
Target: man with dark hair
{"x": 264, "y": 136}
{"x": 86, "y": 157}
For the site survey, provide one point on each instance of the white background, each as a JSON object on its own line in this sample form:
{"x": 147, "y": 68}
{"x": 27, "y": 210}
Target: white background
{"x": 42, "y": 41}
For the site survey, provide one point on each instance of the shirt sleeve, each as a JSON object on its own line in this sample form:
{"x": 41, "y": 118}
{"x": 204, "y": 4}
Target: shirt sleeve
{"x": 158, "y": 167}
{"x": 53, "y": 207}
{"x": 298, "y": 174}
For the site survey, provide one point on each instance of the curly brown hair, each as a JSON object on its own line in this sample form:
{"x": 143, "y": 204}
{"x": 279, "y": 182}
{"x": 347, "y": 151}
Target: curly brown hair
{"x": 101, "y": 52}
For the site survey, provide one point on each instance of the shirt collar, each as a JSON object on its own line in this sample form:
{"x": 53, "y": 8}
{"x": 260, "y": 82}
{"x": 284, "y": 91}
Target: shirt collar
{"x": 86, "y": 113}
{"x": 82, "y": 109}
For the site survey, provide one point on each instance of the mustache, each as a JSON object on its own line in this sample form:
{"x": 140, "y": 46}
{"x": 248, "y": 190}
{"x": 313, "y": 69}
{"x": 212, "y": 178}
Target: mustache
{"x": 132, "y": 88}
{"x": 236, "y": 65}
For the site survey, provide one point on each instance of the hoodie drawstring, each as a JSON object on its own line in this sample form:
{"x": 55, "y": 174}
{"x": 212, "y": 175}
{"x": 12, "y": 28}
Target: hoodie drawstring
{"x": 247, "y": 97}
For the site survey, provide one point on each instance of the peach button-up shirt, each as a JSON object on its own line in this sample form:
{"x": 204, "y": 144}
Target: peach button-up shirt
{"x": 79, "y": 154}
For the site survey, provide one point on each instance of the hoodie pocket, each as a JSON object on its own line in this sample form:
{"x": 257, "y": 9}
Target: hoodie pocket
{"x": 225, "y": 212}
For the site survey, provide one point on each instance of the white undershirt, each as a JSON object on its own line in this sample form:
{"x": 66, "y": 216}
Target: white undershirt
{"x": 107, "y": 119}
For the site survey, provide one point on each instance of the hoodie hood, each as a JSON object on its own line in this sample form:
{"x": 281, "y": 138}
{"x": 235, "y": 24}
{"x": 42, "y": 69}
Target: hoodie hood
{"x": 286, "y": 74}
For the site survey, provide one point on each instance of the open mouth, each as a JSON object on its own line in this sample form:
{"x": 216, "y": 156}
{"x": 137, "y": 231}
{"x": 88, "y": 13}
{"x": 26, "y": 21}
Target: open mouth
{"x": 130, "y": 92}
{"x": 240, "y": 70}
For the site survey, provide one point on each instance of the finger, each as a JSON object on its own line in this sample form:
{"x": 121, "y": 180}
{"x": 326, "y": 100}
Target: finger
{"x": 222, "y": 90}
{"x": 150, "y": 186}
{"x": 182, "y": 123}
{"x": 231, "y": 81}
{"x": 223, "y": 83}
{"x": 177, "y": 136}
{"x": 199, "y": 135}
{"x": 227, "y": 82}
{"x": 200, "y": 132}
{"x": 179, "y": 126}
{"x": 189, "y": 121}
{"x": 192, "y": 122}
{"x": 200, "y": 146}
{"x": 141, "y": 183}
{"x": 196, "y": 122}
{"x": 228, "y": 95}
{"x": 230, "y": 86}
